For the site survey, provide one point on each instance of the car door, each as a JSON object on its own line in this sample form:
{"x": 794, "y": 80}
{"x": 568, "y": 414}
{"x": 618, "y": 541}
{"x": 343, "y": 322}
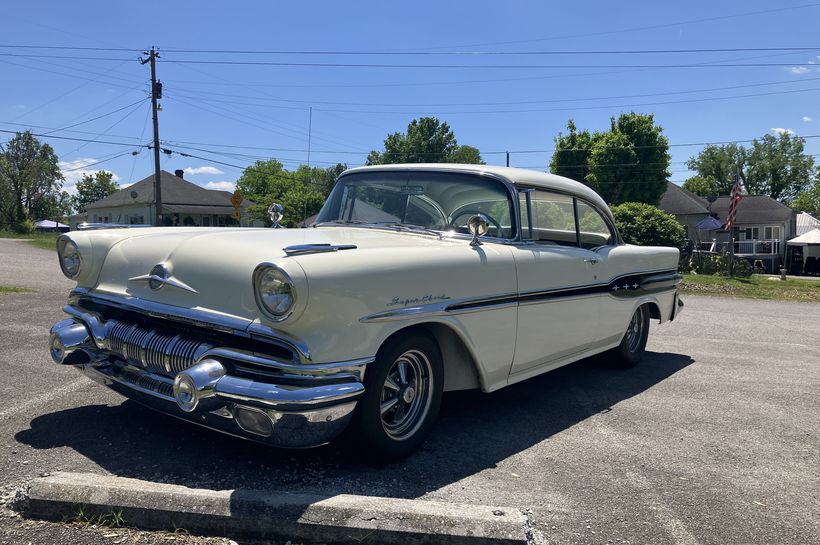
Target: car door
{"x": 558, "y": 286}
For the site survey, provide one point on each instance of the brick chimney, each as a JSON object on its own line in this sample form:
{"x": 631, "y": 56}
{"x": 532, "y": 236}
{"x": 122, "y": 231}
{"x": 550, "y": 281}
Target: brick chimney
{"x": 179, "y": 173}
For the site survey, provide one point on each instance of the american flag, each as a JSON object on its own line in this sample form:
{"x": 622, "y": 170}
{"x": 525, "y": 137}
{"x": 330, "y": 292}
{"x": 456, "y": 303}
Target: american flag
{"x": 734, "y": 199}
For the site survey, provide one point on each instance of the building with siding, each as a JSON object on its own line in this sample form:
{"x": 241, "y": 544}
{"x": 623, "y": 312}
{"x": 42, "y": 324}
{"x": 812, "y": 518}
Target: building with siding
{"x": 183, "y": 203}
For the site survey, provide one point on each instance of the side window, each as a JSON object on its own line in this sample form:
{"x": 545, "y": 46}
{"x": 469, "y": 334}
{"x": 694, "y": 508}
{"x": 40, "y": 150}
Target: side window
{"x": 553, "y": 218}
{"x": 594, "y": 230}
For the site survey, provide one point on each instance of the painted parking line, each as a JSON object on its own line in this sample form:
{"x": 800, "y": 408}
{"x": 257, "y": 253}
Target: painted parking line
{"x": 45, "y": 397}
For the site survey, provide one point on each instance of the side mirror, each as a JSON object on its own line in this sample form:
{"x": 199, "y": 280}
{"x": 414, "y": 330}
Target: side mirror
{"x": 276, "y": 212}
{"x": 477, "y": 226}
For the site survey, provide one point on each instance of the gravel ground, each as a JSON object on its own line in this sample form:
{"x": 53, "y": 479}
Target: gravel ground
{"x": 714, "y": 438}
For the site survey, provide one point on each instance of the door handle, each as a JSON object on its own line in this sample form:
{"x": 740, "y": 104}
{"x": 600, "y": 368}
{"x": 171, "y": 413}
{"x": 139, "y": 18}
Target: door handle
{"x": 592, "y": 260}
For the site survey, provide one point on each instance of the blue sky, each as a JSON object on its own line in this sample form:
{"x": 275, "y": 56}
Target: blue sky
{"x": 263, "y": 110}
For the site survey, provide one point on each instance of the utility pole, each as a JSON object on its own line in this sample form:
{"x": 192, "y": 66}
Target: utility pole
{"x": 156, "y": 94}
{"x": 310, "y": 131}
{"x": 508, "y": 158}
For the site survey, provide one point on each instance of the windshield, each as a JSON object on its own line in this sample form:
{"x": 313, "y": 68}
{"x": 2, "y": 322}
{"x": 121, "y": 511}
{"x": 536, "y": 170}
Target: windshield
{"x": 439, "y": 201}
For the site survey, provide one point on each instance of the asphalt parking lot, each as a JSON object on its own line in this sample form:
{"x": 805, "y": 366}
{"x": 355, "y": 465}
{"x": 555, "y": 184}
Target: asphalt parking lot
{"x": 713, "y": 439}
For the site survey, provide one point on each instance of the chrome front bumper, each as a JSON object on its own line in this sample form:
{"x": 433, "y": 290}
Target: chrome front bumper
{"x": 286, "y": 405}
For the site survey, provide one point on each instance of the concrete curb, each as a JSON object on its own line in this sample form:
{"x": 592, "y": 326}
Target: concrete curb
{"x": 341, "y": 518}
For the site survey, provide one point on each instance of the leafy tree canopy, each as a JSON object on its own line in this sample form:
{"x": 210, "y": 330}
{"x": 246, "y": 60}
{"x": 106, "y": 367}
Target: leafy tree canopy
{"x": 809, "y": 200}
{"x": 774, "y": 165}
{"x": 30, "y": 181}
{"x": 427, "y": 140}
{"x": 702, "y": 185}
{"x": 301, "y": 192}
{"x": 94, "y": 187}
{"x": 647, "y": 225}
{"x": 629, "y": 162}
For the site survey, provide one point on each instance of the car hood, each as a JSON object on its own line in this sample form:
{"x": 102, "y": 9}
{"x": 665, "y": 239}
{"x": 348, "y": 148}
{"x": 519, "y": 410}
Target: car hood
{"x": 211, "y": 269}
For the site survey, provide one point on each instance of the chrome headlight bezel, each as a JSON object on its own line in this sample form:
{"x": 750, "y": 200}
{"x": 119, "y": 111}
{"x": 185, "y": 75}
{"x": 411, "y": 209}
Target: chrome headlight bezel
{"x": 260, "y": 275}
{"x": 63, "y": 243}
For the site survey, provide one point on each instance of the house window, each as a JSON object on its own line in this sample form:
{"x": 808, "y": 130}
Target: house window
{"x": 206, "y": 221}
{"x": 752, "y": 233}
{"x": 772, "y": 233}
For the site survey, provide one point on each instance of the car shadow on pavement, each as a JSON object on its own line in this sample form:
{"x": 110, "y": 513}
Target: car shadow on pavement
{"x": 474, "y": 432}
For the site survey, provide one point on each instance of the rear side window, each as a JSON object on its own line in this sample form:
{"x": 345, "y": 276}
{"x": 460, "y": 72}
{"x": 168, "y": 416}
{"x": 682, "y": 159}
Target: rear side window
{"x": 562, "y": 220}
{"x": 594, "y": 231}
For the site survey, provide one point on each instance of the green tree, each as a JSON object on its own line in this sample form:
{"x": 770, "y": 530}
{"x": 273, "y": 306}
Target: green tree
{"x": 775, "y": 166}
{"x": 809, "y": 200}
{"x": 572, "y": 151}
{"x": 629, "y": 162}
{"x": 702, "y": 185}
{"x": 94, "y": 187}
{"x": 427, "y": 140}
{"x": 30, "y": 180}
{"x": 647, "y": 225}
{"x": 721, "y": 164}
{"x": 778, "y": 167}
{"x": 302, "y": 193}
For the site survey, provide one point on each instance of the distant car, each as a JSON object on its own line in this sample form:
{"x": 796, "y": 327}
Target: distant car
{"x": 415, "y": 280}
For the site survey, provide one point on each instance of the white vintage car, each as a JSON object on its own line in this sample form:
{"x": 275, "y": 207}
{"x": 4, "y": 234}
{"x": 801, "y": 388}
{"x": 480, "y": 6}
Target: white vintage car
{"x": 414, "y": 281}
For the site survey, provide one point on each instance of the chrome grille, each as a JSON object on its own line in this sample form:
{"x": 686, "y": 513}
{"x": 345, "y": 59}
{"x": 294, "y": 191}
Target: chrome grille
{"x": 159, "y": 352}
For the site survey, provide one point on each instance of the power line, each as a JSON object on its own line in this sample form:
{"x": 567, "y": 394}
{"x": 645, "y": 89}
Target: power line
{"x": 98, "y": 117}
{"x": 477, "y": 66}
{"x": 508, "y": 111}
{"x": 635, "y": 29}
{"x": 91, "y": 141}
{"x": 504, "y": 103}
{"x": 83, "y": 167}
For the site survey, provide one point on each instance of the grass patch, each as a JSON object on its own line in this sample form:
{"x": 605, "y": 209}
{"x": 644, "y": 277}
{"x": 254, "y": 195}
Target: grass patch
{"x": 14, "y": 289}
{"x": 46, "y": 241}
{"x": 754, "y": 287}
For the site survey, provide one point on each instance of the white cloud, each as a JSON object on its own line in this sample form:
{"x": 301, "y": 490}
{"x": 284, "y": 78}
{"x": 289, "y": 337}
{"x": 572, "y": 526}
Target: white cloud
{"x": 781, "y": 130}
{"x": 221, "y": 186}
{"x": 73, "y": 172}
{"x": 807, "y": 119}
{"x": 799, "y": 70}
{"x": 202, "y": 170}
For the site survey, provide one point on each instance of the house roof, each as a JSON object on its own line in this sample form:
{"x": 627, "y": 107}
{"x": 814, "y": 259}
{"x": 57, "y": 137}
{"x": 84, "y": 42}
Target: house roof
{"x": 678, "y": 201}
{"x": 754, "y": 209}
{"x": 175, "y": 191}
{"x": 806, "y": 222}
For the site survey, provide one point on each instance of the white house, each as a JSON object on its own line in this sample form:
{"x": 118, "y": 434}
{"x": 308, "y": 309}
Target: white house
{"x": 183, "y": 203}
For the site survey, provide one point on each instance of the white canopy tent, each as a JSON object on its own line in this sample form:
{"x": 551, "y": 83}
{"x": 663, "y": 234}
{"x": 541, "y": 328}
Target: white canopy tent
{"x": 810, "y": 242}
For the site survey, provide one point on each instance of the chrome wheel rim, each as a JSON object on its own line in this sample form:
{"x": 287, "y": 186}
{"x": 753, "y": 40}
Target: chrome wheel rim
{"x": 634, "y": 331}
{"x": 406, "y": 394}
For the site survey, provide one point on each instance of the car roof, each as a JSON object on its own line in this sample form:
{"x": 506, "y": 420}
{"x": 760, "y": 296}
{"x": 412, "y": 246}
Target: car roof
{"x": 517, "y": 176}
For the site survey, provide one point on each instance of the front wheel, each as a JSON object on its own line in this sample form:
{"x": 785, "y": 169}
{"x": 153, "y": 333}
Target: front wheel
{"x": 633, "y": 344}
{"x": 402, "y": 396}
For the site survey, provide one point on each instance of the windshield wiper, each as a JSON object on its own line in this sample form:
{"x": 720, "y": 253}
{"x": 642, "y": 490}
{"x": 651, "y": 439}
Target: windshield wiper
{"x": 342, "y": 222}
{"x": 412, "y": 227}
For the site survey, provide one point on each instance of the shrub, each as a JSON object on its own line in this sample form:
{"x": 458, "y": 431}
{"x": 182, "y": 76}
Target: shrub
{"x": 719, "y": 265}
{"x": 25, "y": 227}
{"x": 647, "y": 225}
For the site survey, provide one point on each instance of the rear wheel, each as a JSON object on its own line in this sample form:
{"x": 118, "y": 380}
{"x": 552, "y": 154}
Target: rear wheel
{"x": 633, "y": 344}
{"x": 403, "y": 389}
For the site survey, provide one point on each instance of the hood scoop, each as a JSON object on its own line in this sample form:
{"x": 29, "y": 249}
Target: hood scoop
{"x": 304, "y": 249}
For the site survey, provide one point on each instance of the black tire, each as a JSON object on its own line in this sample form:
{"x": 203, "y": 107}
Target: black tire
{"x": 399, "y": 407}
{"x": 633, "y": 344}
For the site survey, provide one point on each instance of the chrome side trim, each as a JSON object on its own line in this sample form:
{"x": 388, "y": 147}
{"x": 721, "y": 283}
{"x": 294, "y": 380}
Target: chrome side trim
{"x": 649, "y": 282}
{"x": 304, "y": 249}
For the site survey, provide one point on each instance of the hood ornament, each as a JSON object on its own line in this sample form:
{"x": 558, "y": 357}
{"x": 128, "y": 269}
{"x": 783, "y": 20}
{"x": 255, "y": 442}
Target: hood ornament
{"x": 159, "y": 276}
{"x": 276, "y": 212}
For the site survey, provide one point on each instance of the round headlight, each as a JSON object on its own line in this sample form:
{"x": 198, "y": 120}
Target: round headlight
{"x": 275, "y": 293}
{"x": 69, "y": 257}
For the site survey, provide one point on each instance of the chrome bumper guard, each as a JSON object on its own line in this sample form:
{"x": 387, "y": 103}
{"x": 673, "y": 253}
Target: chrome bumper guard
{"x": 309, "y": 411}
